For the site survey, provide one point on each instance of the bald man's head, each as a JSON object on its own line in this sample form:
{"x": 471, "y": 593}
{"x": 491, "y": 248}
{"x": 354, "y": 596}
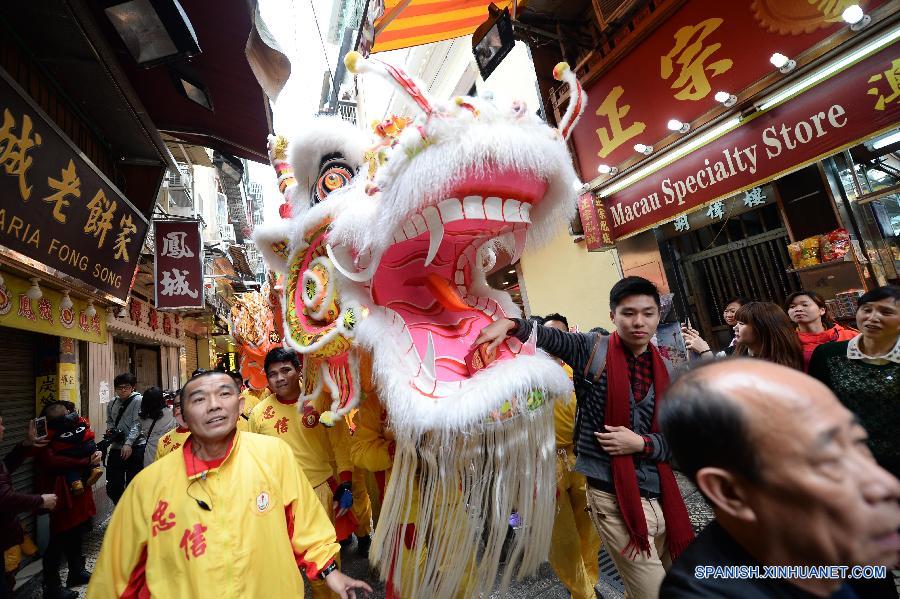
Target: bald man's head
{"x": 784, "y": 464}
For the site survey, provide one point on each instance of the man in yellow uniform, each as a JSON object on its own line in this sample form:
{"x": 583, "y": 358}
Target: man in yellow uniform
{"x": 230, "y": 515}
{"x": 319, "y": 451}
{"x": 175, "y": 438}
{"x": 575, "y": 545}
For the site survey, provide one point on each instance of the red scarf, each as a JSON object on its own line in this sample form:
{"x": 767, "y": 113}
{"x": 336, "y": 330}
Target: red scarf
{"x": 679, "y": 532}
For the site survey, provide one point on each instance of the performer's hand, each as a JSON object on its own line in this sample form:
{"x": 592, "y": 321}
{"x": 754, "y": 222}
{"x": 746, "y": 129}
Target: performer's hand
{"x": 620, "y": 440}
{"x": 345, "y": 586}
{"x": 495, "y": 333}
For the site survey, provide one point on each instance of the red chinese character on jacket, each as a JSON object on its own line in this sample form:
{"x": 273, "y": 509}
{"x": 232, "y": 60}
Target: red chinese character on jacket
{"x": 193, "y": 542}
{"x": 162, "y": 521}
{"x": 282, "y": 425}
{"x": 269, "y": 413}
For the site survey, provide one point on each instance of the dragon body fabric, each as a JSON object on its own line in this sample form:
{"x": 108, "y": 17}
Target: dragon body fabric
{"x": 384, "y": 242}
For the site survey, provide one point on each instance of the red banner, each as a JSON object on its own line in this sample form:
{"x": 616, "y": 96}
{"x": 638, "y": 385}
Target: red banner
{"x": 837, "y": 113}
{"x": 595, "y": 222}
{"x": 706, "y": 46}
{"x": 179, "y": 264}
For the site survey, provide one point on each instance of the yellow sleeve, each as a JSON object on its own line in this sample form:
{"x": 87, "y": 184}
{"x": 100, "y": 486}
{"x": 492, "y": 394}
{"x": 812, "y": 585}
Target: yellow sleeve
{"x": 124, "y": 545}
{"x": 253, "y": 424}
{"x": 312, "y": 534}
{"x": 369, "y": 449}
{"x": 339, "y": 437}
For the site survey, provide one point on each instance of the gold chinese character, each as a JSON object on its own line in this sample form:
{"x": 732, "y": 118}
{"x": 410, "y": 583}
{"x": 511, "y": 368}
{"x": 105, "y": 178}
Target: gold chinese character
{"x": 607, "y": 239}
{"x": 692, "y": 81}
{"x": 69, "y": 184}
{"x": 892, "y": 76}
{"x": 100, "y": 217}
{"x": 604, "y": 226}
{"x": 124, "y": 237}
{"x": 14, "y": 150}
{"x": 616, "y": 135}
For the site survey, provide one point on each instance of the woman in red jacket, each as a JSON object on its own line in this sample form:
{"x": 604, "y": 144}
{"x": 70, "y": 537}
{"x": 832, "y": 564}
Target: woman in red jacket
{"x": 12, "y": 503}
{"x": 807, "y": 310}
{"x": 67, "y": 522}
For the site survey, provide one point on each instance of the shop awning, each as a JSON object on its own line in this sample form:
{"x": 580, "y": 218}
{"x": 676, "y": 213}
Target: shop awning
{"x": 408, "y": 23}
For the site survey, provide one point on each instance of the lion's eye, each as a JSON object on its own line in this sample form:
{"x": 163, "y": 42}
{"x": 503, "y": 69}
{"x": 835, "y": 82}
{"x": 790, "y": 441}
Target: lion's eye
{"x": 334, "y": 175}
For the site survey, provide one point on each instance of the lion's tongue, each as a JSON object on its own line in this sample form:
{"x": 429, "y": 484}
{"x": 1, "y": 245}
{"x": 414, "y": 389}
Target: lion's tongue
{"x": 445, "y": 293}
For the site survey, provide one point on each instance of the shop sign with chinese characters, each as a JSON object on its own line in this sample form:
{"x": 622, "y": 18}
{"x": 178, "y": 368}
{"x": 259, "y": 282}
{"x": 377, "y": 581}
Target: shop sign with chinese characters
{"x": 46, "y": 315}
{"x": 57, "y": 210}
{"x": 595, "y": 223}
{"x": 179, "y": 264}
{"x": 704, "y": 47}
{"x": 853, "y": 105}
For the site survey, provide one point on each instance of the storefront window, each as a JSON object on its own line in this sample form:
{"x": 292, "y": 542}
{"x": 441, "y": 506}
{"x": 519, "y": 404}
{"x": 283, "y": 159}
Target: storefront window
{"x": 869, "y": 175}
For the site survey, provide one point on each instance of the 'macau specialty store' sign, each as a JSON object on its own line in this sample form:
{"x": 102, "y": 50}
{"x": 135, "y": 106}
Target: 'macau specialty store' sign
{"x": 56, "y": 209}
{"x": 853, "y": 105}
{"x": 704, "y": 47}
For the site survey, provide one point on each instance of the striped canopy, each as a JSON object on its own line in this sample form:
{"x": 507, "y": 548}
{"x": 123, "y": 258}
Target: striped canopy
{"x": 408, "y": 23}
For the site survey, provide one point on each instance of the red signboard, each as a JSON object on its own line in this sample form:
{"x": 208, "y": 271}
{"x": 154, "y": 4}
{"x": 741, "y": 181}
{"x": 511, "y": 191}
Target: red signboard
{"x": 837, "y": 113}
{"x": 179, "y": 264}
{"x": 595, "y": 222}
{"x": 58, "y": 213}
{"x": 706, "y": 46}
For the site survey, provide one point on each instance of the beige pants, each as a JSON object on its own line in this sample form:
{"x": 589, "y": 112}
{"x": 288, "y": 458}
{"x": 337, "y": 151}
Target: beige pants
{"x": 643, "y": 575}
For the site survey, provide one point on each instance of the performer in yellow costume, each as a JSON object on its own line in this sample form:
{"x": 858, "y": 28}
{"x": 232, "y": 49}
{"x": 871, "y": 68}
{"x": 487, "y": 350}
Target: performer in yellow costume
{"x": 175, "y": 438}
{"x": 575, "y": 544}
{"x": 231, "y": 515}
{"x": 320, "y": 451}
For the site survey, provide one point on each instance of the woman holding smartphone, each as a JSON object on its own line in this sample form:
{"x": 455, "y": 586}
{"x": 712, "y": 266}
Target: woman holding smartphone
{"x": 12, "y": 503}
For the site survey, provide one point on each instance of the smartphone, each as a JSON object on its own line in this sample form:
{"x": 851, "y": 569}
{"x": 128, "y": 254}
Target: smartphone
{"x": 40, "y": 427}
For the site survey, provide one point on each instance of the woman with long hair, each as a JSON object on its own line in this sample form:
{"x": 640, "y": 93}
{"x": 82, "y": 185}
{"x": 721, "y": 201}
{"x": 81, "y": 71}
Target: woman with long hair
{"x": 156, "y": 420}
{"x": 814, "y": 327}
{"x": 764, "y": 331}
{"x": 695, "y": 343}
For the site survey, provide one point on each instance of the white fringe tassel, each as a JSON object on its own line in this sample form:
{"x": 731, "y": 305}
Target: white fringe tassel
{"x": 460, "y": 489}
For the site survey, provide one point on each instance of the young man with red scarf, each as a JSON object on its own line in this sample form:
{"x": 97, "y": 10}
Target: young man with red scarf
{"x": 633, "y": 499}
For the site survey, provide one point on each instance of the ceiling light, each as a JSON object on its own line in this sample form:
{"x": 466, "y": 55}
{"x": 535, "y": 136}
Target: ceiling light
{"x": 855, "y": 16}
{"x": 886, "y": 140}
{"x": 66, "y": 301}
{"x": 605, "y": 169}
{"x": 154, "y": 31}
{"x": 34, "y": 292}
{"x": 836, "y": 66}
{"x": 783, "y": 63}
{"x": 643, "y": 149}
{"x": 676, "y": 125}
{"x": 725, "y": 98}
{"x": 91, "y": 310}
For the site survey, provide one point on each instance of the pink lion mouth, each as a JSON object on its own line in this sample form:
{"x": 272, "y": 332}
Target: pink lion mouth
{"x": 427, "y": 284}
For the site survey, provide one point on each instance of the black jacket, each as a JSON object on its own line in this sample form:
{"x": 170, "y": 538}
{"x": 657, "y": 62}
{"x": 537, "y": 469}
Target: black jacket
{"x": 12, "y": 503}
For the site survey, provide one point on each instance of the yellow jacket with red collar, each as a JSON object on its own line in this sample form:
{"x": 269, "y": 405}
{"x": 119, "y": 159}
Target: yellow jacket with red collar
{"x": 172, "y": 440}
{"x": 263, "y": 525}
{"x": 321, "y": 451}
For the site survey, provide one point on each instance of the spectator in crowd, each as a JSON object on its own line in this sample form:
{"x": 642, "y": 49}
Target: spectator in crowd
{"x": 575, "y": 546}
{"x": 231, "y": 515}
{"x": 764, "y": 331}
{"x": 864, "y": 372}
{"x": 321, "y": 452}
{"x": 728, "y": 315}
{"x": 70, "y": 520}
{"x": 695, "y": 343}
{"x": 174, "y": 438}
{"x": 12, "y": 503}
{"x": 70, "y": 436}
{"x": 157, "y": 419}
{"x": 123, "y": 427}
{"x": 814, "y": 326}
{"x": 787, "y": 472}
{"x": 633, "y": 498}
